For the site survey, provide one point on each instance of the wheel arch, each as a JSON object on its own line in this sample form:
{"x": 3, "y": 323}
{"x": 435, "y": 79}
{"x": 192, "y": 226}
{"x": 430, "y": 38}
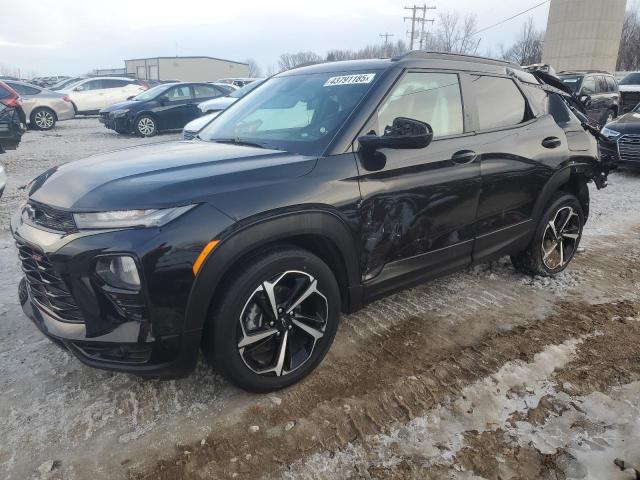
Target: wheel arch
{"x": 571, "y": 179}
{"x": 42, "y": 107}
{"x": 323, "y": 233}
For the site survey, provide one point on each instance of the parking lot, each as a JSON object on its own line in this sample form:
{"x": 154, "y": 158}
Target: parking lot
{"x": 488, "y": 373}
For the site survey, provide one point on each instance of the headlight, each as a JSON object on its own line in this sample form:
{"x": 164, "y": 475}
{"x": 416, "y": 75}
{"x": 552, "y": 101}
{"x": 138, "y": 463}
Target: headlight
{"x": 129, "y": 218}
{"x": 610, "y": 134}
{"x": 120, "y": 113}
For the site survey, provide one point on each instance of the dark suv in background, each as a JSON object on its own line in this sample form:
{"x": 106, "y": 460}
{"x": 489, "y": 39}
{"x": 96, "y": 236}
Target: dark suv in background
{"x": 598, "y": 91}
{"x": 327, "y": 187}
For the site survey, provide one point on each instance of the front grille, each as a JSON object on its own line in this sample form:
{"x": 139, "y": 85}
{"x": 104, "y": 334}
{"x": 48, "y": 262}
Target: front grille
{"x": 629, "y": 148}
{"x": 50, "y": 217}
{"x": 629, "y": 100}
{"x": 46, "y": 286}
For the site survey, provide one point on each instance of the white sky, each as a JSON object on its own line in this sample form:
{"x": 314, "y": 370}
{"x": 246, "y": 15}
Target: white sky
{"x": 58, "y": 37}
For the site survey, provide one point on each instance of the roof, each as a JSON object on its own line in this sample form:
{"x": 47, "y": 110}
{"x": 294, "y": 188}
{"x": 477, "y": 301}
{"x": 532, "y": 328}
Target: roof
{"x": 415, "y": 59}
{"x": 195, "y": 56}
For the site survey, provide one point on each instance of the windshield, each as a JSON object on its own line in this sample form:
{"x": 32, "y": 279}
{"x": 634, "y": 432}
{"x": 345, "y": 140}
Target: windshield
{"x": 68, "y": 83}
{"x": 631, "y": 79}
{"x": 295, "y": 113}
{"x": 572, "y": 82}
{"x": 152, "y": 92}
{"x": 241, "y": 92}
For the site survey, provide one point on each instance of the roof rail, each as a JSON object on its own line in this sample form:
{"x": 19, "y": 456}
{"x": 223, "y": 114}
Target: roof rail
{"x": 426, "y": 55}
{"x": 585, "y": 71}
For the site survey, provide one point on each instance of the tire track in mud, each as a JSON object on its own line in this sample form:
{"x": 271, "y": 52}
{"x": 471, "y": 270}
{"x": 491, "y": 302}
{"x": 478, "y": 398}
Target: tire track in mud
{"x": 394, "y": 375}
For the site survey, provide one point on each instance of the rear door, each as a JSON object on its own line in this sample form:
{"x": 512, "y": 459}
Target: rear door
{"x": 201, "y": 93}
{"x": 518, "y": 154}
{"x": 419, "y": 205}
{"x": 88, "y": 95}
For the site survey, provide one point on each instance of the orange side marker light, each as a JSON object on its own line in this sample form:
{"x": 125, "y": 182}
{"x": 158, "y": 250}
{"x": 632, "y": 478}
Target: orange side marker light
{"x": 203, "y": 256}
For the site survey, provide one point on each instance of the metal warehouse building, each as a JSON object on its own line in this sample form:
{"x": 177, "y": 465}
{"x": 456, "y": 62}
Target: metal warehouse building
{"x": 186, "y": 69}
{"x": 584, "y": 34}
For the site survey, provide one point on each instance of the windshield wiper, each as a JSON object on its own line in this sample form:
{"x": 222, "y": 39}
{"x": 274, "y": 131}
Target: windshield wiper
{"x": 239, "y": 141}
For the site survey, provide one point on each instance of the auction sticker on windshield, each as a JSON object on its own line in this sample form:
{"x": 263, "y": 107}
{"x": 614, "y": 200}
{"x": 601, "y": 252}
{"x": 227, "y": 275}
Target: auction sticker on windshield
{"x": 350, "y": 79}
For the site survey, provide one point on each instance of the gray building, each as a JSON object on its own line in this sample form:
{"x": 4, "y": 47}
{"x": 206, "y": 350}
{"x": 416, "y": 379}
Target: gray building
{"x": 186, "y": 69}
{"x": 584, "y": 34}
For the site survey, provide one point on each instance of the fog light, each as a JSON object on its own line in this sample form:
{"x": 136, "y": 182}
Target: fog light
{"x": 119, "y": 272}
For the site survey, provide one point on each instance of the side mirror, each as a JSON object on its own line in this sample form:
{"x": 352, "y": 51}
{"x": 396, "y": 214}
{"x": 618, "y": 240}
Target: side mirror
{"x": 585, "y": 100}
{"x": 78, "y": 88}
{"x": 405, "y": 133}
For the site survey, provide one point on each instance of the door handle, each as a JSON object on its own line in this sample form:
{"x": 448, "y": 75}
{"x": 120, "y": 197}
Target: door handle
{"x": 463, "y": 157}
{"x": 551, "y": 142}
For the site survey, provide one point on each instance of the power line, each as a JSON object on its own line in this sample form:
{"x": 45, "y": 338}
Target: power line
{"x": 510, "y": 18}
{"x": 415, "y": 19}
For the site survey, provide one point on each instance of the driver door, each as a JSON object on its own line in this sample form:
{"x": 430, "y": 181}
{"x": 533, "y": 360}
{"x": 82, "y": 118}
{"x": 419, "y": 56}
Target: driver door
{"x": 419, "y": 205}
{"x": 175, "y": 112}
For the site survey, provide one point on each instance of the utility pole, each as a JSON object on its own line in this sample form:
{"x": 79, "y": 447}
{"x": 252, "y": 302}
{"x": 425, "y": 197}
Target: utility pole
{"x": 412, "y": 32}
{"x": 386, "y": 37}
{"x": 423, "y": 21}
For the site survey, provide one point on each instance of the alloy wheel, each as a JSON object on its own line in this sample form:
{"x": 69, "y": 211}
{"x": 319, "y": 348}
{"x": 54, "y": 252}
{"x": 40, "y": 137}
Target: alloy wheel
{"x": 146, "y": 126}
{"x": 560, "y": 239}
{"x": 44, "y": 119}
{"x": 281, "y": 323}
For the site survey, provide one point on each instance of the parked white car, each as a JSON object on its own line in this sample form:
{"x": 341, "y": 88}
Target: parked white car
{"x": 93, "y": 94}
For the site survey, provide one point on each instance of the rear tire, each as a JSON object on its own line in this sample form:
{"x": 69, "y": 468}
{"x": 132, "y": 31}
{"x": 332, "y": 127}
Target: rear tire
{"x": 257, "y": 336}
{"x": 556, "y": 239}
{"x": 42, "y": 118}
{"x": 146, "y": 126}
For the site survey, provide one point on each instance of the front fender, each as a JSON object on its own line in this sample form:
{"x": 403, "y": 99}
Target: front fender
{"x": 248, "y": 236}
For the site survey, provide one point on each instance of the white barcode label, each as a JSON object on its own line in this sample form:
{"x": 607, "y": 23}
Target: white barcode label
{"x": 350, "y": 79}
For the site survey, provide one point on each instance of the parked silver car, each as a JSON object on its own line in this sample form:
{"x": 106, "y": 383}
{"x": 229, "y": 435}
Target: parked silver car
{"x": 42, "y": 107}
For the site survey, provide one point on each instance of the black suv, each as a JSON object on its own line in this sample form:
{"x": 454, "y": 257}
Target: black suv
{"x": 598, "y": 91}
{"x": 326, "y": 187}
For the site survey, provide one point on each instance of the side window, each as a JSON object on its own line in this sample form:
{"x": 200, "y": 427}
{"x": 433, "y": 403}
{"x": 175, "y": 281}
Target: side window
{"x": 433, "y": 98}
{"x": 589, "y": 85}
{"x": 499, "y": 102}
{"x": 601, "y": 84}
{"x": 205, "y": 91}
{"x": 23, "y": 89}
{"x": 91, "y": 85}
{"x": 538, "y": 99}
{"x": 559, "y": 110}
{"x": 179, "y": 93}
{"x": 612, "y": 84}
{"x": 114, "y": 83}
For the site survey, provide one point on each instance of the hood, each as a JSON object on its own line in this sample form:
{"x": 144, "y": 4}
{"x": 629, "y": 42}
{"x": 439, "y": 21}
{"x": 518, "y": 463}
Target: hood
{"x": 197, "y": 124}
{"x": 119, "y": 106}
{"x": 629, "y": 123}
{"x": 629, "y": 88}
{"x": 216, "y": 104}
{"x": 163, "y": 175}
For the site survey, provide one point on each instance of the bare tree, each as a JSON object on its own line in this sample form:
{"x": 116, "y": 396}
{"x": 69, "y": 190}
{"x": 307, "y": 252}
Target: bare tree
{"x": 528, "y": 47}
{"x": 254, "y": 68}
{"x": 454, "y": 34}
{"x": 370, "y": 51}
{"x": 287, "y": 61}
{"x": 629, "y": 53}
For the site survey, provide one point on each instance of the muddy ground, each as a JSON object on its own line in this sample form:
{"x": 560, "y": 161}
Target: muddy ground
{"x": 484, "y": 374}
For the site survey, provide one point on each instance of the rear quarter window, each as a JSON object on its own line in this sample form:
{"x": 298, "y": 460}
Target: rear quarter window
{"x": 499, "y": 102}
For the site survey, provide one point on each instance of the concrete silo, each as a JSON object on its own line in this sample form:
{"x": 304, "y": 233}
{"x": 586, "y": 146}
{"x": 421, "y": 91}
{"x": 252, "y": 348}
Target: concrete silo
{"x": 584, "y": 34}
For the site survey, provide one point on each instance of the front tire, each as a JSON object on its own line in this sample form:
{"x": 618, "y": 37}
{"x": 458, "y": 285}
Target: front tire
{"x": 275, "y": 322}
{"x": 43, "y": 118}
{"x": 556, "y": 239}
{"x": 146, "y": 126}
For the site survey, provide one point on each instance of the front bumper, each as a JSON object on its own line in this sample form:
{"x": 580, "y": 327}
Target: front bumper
{"x": 155, "y": 343}
{"x": 610, "y": 151}
{"x": 119, "y": 124}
